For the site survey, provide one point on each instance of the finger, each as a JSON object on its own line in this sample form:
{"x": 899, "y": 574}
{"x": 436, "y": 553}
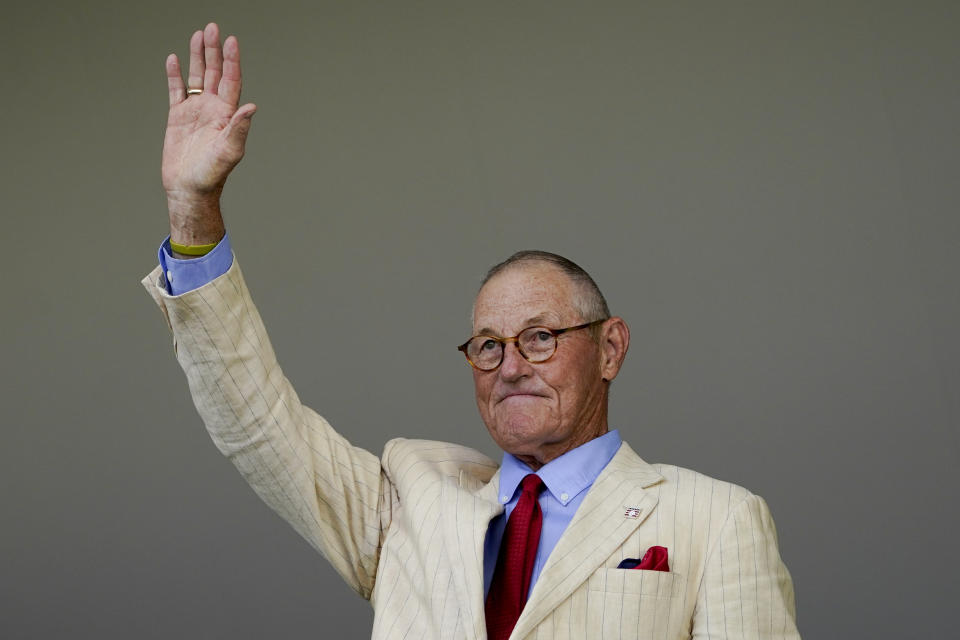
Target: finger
{"x": 213, "y": 58}
{"x": 231, "y": 82}
{"x": 174, "y": 80}
{"x": 195, "y": 80}
{"x": 239, "y": 126}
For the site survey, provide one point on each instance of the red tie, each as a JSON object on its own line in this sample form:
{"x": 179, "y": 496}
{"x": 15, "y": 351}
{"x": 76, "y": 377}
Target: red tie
{"x": 518, "y": 550}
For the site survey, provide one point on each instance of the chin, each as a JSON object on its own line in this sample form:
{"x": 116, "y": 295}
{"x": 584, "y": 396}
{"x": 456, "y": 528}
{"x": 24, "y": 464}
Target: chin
{"x": 519, "y": 435}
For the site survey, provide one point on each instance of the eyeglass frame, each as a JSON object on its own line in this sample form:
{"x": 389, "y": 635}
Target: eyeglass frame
{"x": 556, "y": 333}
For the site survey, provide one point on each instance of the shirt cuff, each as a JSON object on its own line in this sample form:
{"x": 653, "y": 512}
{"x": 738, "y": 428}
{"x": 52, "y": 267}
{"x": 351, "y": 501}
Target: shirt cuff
{"x": 186, "y": 275}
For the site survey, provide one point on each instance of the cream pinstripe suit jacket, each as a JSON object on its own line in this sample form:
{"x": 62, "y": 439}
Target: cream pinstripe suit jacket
{"x": 406, "y": 530}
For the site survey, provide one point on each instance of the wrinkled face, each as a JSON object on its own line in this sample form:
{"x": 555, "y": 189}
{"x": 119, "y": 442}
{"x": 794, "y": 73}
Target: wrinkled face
{"x": 541, "y": 410}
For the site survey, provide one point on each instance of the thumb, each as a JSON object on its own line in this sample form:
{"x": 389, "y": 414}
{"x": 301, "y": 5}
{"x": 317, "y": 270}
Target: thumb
{"x": 239, "y": 126}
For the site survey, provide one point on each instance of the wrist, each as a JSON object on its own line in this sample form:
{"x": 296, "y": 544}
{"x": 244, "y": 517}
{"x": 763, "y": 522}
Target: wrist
{"x": 195, "y": 219}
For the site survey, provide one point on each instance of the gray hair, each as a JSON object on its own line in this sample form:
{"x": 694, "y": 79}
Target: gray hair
{"x": 589, "y": 300}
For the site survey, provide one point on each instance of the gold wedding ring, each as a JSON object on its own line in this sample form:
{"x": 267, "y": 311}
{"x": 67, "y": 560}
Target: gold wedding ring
{"x": 194, "y": 92}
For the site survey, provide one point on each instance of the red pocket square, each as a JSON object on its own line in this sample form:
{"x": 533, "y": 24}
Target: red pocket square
{"x": 655, "y": 559}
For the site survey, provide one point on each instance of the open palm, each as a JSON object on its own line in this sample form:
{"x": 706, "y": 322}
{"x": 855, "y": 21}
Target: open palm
{"x": 206, "y": 132}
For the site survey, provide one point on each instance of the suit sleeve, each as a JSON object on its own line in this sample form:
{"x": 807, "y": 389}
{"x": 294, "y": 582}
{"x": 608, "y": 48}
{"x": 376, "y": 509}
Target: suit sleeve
{"x": 746, "y": 590}
{"x": 333, "y": 494}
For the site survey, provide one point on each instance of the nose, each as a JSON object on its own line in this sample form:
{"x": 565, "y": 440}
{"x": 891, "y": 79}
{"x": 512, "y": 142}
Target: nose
{"x": 514, "y": 365}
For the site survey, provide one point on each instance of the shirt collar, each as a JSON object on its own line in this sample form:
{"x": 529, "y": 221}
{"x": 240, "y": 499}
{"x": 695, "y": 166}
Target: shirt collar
{"x": 566, "y": 476}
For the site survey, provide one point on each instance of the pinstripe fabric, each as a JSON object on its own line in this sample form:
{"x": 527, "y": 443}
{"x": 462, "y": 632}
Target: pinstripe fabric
{"x": 406, "y": 530}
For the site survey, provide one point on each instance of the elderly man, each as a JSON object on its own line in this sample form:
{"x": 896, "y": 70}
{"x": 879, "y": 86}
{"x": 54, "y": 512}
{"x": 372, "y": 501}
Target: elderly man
{"x": 571, "y": 536}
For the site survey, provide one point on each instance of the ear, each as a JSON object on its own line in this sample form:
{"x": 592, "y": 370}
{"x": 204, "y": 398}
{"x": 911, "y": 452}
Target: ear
{"x": 614, "y": 342}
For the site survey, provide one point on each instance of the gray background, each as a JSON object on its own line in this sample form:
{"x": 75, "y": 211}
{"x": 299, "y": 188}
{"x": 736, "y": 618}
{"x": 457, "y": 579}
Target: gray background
{"x": 766, "y": 191}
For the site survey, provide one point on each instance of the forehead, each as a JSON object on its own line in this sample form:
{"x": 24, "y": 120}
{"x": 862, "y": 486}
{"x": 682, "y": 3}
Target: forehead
{"x": 522, "y": 295}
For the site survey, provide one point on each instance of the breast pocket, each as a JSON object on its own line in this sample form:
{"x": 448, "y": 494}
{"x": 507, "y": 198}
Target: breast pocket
{"x": 632, "y": 603}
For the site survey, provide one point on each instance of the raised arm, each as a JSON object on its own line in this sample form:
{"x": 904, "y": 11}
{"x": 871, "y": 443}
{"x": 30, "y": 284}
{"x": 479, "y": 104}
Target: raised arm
{"x": 206, "y": 135}
{"x": 334, "y": 494}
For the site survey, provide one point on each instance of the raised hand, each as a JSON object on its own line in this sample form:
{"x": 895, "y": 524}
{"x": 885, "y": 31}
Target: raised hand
{"x": 206, "y": 134}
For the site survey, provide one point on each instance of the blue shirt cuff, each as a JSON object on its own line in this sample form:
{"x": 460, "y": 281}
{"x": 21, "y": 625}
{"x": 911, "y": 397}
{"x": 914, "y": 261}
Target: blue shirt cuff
{"x": 186, "y": 275}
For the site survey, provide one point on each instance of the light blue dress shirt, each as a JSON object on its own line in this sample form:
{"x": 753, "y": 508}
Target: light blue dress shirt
{"x": 567, "y": 478}
{"x": 189, "y": 274}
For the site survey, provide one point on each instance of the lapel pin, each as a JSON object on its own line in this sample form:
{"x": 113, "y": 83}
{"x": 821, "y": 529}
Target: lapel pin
{"x": 632, "y": 512}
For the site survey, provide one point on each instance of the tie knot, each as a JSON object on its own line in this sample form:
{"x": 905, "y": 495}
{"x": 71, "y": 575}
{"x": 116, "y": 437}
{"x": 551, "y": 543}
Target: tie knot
{"x": 531, "y": 483}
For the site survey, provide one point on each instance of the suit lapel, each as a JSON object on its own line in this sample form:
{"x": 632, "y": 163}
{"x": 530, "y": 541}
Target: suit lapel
{"x": 598, "y": 528}
{"x": 467, "y": 511}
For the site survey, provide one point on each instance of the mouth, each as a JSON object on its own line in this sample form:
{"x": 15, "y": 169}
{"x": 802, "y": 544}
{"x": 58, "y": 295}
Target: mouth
{"x": 519, "y": 396}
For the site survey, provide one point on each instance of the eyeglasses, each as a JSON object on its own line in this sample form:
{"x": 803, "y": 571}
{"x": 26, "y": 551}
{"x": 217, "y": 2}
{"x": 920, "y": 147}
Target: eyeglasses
{"x": 535, "y": 344}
